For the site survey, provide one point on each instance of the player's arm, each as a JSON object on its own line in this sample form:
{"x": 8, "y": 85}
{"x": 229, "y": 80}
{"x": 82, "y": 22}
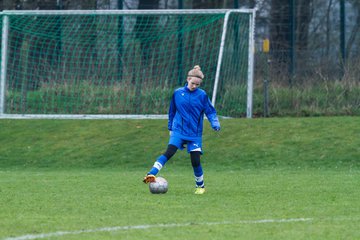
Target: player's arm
{"x": 172, "y": 112}
{"x": 211, "y": 115}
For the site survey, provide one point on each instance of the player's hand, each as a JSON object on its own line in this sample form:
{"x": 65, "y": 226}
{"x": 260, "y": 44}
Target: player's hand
{"x": 216, "y": 129}
{"x": 170, "y": 132}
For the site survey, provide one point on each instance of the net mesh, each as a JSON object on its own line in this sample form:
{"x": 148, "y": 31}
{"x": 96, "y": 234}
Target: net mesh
{"x": 121, "y": 64}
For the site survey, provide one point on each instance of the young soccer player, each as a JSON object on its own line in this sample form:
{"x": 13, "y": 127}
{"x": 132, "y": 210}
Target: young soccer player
{"x": 186, "y": 115}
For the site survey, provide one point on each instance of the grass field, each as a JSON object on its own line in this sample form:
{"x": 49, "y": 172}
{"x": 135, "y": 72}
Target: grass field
{"x": 277, "y": 178}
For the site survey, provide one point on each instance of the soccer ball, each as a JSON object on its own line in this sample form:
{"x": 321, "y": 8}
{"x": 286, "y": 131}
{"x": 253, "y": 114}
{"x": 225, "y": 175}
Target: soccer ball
{"x": 159, "y": 186}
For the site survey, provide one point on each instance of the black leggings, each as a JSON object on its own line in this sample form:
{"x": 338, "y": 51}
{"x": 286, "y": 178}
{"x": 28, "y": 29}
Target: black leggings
{"x": 170, "y": 151}
{"x": 195, "y": 158}
{"x": 195, "y": 155}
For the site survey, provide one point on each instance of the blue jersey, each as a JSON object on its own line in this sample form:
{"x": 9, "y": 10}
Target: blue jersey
{"x": 186, "y": 113}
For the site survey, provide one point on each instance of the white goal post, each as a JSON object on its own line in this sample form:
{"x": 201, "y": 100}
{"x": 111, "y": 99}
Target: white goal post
{"x": 95, "y": 64}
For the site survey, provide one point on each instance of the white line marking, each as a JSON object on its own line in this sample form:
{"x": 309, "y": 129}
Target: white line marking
{"x": 170, "y": 225}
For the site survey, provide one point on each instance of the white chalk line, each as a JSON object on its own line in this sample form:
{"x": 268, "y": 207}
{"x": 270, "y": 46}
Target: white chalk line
{"x": 170, "y": 225}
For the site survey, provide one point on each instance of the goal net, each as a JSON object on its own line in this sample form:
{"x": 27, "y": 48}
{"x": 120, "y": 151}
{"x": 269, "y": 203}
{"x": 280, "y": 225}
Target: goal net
{"x": 108, "y": 64}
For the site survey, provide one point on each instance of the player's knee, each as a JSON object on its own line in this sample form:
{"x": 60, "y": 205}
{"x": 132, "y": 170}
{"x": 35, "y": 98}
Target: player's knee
{"x": 170, "y": 151}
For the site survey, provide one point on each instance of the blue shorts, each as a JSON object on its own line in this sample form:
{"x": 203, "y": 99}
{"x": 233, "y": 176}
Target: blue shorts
{"x": 191, "y": 145}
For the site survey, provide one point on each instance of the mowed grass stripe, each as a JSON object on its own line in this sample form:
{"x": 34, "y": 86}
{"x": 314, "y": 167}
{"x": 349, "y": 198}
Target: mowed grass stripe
{"x": 328, "y": 142}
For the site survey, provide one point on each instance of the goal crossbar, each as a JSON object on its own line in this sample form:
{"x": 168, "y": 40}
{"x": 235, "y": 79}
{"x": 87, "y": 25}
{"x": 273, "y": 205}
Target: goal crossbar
{"x": 126, "y": 12}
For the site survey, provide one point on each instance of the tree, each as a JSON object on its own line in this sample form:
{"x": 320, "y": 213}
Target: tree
{"x": 355, "y": 28}
{"x": 303, "y": 19}
{"x": 280, "y": 30}
{"x": 142, "y": 26}
{"x": 289, "y": 31}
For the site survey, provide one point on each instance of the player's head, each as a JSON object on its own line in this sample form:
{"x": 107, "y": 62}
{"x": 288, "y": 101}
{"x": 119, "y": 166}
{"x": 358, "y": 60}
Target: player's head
{"x": 194, "y": 78}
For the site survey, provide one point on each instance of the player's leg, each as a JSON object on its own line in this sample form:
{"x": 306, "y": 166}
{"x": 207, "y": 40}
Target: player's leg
{"x": 159, "y": 163}
{"x": 198, "y": 171}
{"x": 194, "y": 148}
{"x": 161, "y": 160}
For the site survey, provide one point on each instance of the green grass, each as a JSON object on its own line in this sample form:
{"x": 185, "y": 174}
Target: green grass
{"x": 85, "y": 175}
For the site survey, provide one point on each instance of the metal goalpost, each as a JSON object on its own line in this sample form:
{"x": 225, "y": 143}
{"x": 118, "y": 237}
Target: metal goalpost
{"x": 217, "y": 75}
